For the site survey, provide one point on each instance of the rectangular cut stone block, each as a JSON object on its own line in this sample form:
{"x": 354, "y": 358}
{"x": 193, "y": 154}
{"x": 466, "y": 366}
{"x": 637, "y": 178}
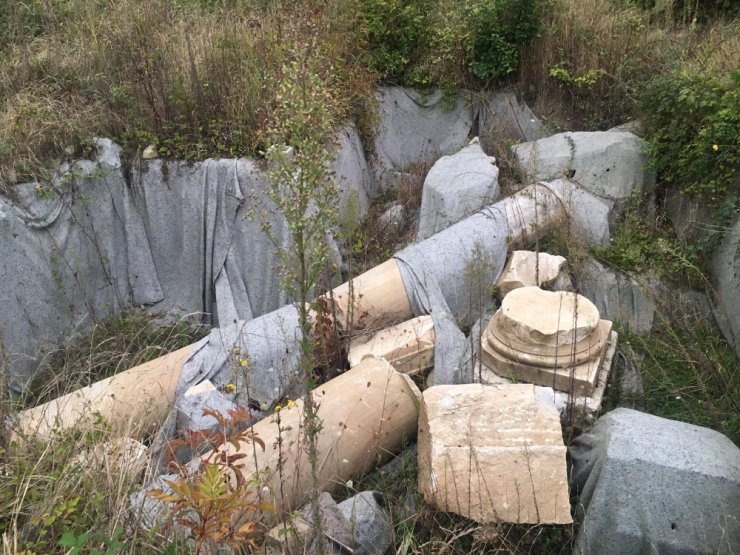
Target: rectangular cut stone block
{"x": 494, "y": 453}
{"x": 585, "y": 409}
{"x": 580, "y": 379}
{"x": 409, "y": 346}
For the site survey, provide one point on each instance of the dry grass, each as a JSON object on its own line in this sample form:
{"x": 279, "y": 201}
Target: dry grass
{"x": 194, "y": 78}
{"x": 593, "y": 59}
{"x": 79, "y": 481}
{"x": 127, "y": 340}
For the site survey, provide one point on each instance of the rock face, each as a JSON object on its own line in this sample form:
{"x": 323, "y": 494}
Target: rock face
{"x": 416, "y": 129}
{"x": 457, "y": 186}
{"x": 370, "y": 523}
{"x": 526, "y": 268}
{"x": 618, "y": 297}
{"x": 493, "y": 453}
{"x": 172, "y": 236}
{"x": 652, "y": 485}
{"x": 502, "y": 116}
{"x": 554, "y": 339}
{"x": 351, "y": 171}
{"x": 726, "y": 272}
{"x": 610, "y": 164}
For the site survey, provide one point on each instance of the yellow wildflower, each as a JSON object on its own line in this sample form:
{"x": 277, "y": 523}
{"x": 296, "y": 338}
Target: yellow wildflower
{"x": 243, "y": 362}
{"x": 229, "y": 388}
{"x": 278, "y": 408}
{"x": 291, "y": 404}
{"x": 715, "y": 148}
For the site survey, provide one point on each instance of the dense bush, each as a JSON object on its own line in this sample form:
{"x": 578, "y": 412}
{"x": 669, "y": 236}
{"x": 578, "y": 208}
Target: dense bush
{"x": 394, "y": 29}
{"x": 499, "y": 28}
{"x": 413, "y": 41}
{"x": 694, "y": 122}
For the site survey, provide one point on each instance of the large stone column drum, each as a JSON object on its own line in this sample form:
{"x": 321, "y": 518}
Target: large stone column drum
{"x": 553, "y": 339}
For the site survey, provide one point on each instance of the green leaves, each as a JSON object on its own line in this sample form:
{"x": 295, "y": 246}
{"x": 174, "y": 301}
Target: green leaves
{"x": 694, "y": 123}
{"x": 84, "y": 543}
{"x": 499, "y": 28}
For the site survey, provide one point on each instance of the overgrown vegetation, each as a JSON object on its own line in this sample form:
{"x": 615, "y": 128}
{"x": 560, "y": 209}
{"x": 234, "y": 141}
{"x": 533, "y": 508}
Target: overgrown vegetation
{"x": 71, "y": 491}
{"x": 694, "y": 123}
{"x": 691, "y": 374}
{"x": 639, "y": 246}
{"x": 131, "y": 338}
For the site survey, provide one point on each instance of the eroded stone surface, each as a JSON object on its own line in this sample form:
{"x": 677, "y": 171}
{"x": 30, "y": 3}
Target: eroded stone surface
{"x": 553, "y": 339}
{"x": 493, "y": 453}
{"x": 610, "y": 164}
{"x": 652, "y": 485}
{"x": 409, "y": 346}
{"x": 457, "y": 186}
{"x": 547, "y": 318}
{"x": 527, "y": 268}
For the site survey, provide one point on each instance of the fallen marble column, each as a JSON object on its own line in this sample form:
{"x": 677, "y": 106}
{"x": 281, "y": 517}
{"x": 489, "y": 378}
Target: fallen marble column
{"x": 400, "y": 288}
{"x": 366, "y": 415}
{"x": 136, "y": 401}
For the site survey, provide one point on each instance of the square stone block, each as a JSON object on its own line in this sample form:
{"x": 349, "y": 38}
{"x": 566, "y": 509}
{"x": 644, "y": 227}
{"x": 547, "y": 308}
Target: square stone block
{"x": 494, "y": 453}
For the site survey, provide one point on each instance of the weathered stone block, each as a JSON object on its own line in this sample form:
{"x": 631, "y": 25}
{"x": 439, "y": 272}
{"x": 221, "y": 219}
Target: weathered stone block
{"x": 652, "y": 485}
{"x": 457, "y": 186}
{"x": 409, "y": 346}
{"x": 493, "y": 453}
{"x": 526, "y": 268}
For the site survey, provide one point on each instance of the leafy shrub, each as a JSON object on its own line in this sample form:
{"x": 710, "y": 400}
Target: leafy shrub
{"x": 394, "y": 29}
{"x": 499, "y": 28}
{"x": 639, "y": 247}
{"x": 694, "y": 122}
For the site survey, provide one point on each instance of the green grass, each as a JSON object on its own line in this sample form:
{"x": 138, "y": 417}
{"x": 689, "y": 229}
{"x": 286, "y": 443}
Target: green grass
{"x": 691, "y": 374}
{"x": 68, "y": 486}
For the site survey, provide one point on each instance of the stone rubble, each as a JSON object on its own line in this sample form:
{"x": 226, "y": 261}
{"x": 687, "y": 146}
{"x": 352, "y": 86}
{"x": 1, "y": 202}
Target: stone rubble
{"x": 526, "y": 268}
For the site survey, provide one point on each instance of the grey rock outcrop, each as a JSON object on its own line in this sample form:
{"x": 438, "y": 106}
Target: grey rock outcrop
{"x": 416, "y": 129}
{"x": 370, "y": 523}
{"x": 651, "y": 485}
{"x": 457, "y": 186}
{"x": 726, "y": 272}
{"x": 175, "y": 237}
{"x": 351, "y": 171}
{"x": 618, "y": 297}
{"x": 639, "y": 301}
{"x": 610, "y": 164}
{"x": 502, "y": 116}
